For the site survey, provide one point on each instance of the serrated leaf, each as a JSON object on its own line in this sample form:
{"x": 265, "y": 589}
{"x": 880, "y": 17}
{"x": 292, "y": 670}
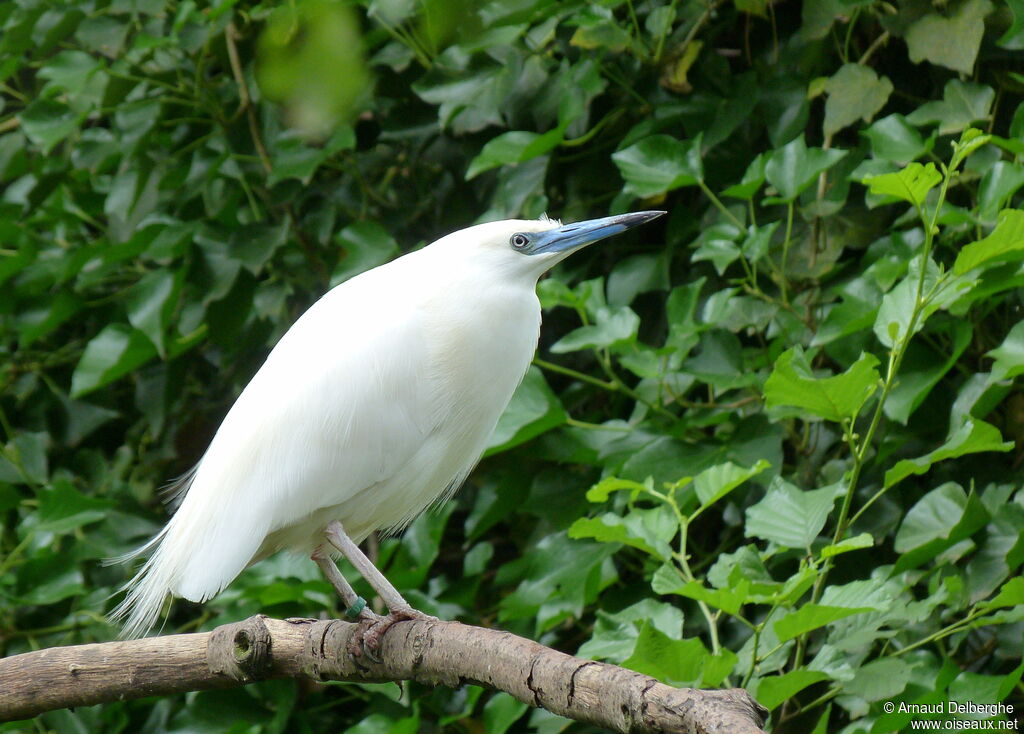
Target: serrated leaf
{"x": 811, "y": 616}
{"x": 970, "y": 437}
{"x": 836, "y": 398}
{"x": 789, "y": 516}
{"x": 864, "y": 540}
{"x": 676, "y": 662}
{"x": 777, "y": 689}
{"x": 666, "y": 581}
{"x": 715, "y": 483}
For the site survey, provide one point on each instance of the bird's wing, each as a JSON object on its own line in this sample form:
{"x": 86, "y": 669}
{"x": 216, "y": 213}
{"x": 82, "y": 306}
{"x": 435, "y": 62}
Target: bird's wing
{"x": 340, "y": 405}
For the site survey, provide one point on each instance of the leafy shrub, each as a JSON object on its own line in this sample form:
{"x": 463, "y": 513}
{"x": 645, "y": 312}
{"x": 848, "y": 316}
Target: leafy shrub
{"x": 774, "y": 443}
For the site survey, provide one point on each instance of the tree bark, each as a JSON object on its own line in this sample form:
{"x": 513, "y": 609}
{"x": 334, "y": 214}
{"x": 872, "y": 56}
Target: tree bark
{"x": 430, "y": 652}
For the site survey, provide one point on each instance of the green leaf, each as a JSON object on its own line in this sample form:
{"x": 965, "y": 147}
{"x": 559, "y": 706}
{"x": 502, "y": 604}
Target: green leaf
{"x": 659, "y": 163}
{"x": 941, "y": 519}
{"x": 24, "y": 459}
{"x": 972, "y": 436}
{"x": 811, "y": 616}
{"x": 777, "y": 689}
{"x": 676, "y": 662}
{"x": 794, "y": 167}
{"x": 366, "y": 245}
{"x": 47, "y": 122}
{"x": 513, "y": 147}
{"x": 533, "y": 410}
{"x": 880, "y": 679}
{"x": 855, "y": 92}
{"x": 715, "y": 483}
{"x": 864, "y": 540}
{"x": 951, "y": 42}
{"x": 910, "y": 184}
{"x": 110, "y": 355}
{"x": 789, "y": 516}
{"x": 752, "y": 180}
{"x": 603, "y": 489}
{"x": 1010, "y": 595}
{"x": 614, "y": 327}
{"x": 921, "y": 370}
{"x": 647, "y": 530}
{"x": 962, "y": 103}
{"x": 501, "y": 711}
{"x": 998, "y": 185}
{"x": 667, "y": 581}
{"x": 1008, "y": 356}
{"x": 1005, "y": 243}
{"x": 835, "y": 398}
{"x": 892, "y": 138}
{"x": 62, "y": 508}
{"x": 151, "y": 303}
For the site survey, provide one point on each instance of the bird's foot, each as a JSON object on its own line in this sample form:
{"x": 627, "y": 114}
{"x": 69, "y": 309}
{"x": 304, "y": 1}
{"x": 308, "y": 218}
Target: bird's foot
{"x": 367, "y": 638}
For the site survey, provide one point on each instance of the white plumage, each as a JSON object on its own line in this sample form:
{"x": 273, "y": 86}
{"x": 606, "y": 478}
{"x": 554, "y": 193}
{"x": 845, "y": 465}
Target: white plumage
{"x": 377, "y": 402}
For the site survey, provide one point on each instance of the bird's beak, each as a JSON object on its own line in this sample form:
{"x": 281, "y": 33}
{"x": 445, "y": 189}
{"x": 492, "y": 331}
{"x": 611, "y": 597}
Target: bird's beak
{"x": 574, "y": 236}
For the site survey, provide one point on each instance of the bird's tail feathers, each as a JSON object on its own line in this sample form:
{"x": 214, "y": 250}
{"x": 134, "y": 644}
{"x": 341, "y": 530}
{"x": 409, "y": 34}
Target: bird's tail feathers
{"x": 146, "y": 591}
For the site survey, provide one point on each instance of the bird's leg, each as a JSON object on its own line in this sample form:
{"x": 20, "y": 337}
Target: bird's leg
{"x": 398, "y": 608}
{"x": 355, "y": 605}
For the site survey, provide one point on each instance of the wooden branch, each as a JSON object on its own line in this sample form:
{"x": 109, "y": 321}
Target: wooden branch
{"x": 430, "y": 652}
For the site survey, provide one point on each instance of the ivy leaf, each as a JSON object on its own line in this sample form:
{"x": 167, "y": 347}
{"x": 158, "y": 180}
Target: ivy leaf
{"x": 789, "y": 516}
{"x": 613, "y": 327}
{"x": 951, "y": 42}
{"x": 962, "y": 103}
{"x": 660, "y": 163}
{"x": 910, "y": 184}
{"x": 533, "y": 410}
{"x": 111, "y": 354}
{"x": 1005, "y": 243}
{"x": 892, "y": 138}
{"x": 837, "y": 398}
{"x": 970, "y": 437}
{"x": 752, "y": 180}
{"x": 855, "y": 92}
{"x": 513, "y": 147}
{"x": 794, "y": 167}
{"x": 151, "y": 303}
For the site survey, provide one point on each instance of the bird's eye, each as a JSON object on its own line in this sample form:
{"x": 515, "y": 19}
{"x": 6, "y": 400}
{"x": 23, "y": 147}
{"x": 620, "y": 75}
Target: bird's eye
{"x": 519, "y": 240}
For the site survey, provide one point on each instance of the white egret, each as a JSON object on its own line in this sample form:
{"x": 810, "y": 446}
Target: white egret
{"x": 375, "y": 404}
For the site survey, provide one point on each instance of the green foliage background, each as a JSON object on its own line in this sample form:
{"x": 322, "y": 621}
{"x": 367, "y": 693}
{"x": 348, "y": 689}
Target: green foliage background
{"x": 772, "y": 440}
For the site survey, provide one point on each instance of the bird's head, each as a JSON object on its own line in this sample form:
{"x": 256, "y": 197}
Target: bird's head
{"x": 530, "y": 247}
